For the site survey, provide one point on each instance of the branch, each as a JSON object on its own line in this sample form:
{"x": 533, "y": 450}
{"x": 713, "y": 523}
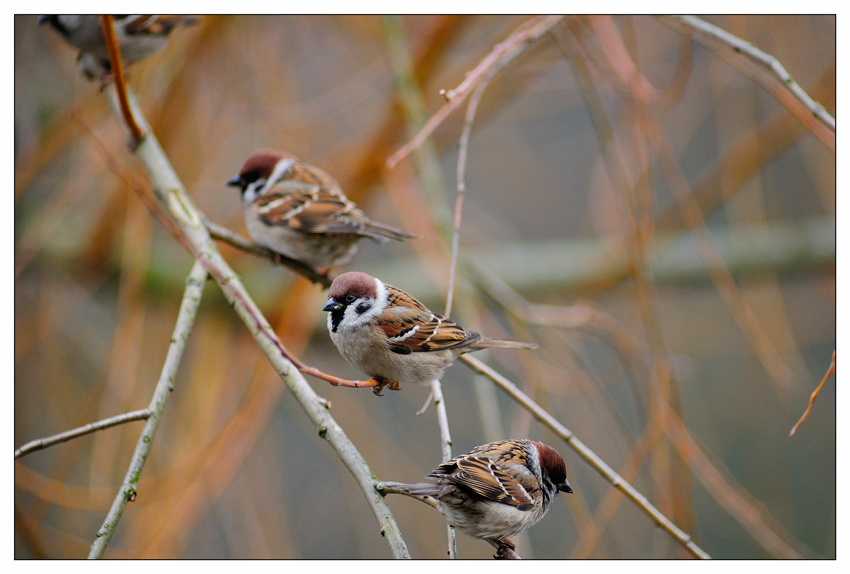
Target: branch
{"x": 182, "y": 330}
{"x": 171, "y": 194}
{"x": 502, "y": 54}
{"x": 235, "y": 240}
{"x": 586, "y": 453}
{"x": 117, "y": 68}
{"x": 829, "y": 372}
{"x": 446, "y": 448}
{"x": 461, "y": 180}
{"x": 749, "y": 49}
{"x": 49, "y": 441}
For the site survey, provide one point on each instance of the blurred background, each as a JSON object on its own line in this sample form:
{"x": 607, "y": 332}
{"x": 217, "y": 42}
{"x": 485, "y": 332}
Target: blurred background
{"x": 652, "y": 211}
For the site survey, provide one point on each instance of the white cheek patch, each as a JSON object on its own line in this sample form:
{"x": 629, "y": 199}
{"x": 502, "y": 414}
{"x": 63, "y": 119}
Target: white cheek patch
{"x": 353, "y": 318}
{"x": 262, "y": 185}
{"x": 252, "y": 191}
{"x": 279, "y": 171}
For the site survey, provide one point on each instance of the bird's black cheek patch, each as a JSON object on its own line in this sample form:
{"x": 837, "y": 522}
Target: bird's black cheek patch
{"x": 336, "y": 318}
{"x": 363, "y": 307}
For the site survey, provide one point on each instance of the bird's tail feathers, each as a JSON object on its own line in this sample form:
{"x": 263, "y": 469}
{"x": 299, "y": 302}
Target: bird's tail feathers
{"x": 379, "y": 232}
{"x": 425, "y": 492}
{"x": 485, "y": 343}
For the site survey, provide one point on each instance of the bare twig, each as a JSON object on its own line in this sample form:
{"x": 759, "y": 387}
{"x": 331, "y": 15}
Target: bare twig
{"x": 117, "y": 71}
{"x": 49, "y": 441}
{"x": 182, "y": 330}
{"x": 445, "y": 448}
{"x": 502, "y": 54}
{"x": 586, "y": 453}
{"x": 233, "y": 239}
{"x": 171, "y": 194}
{"x": 621, "y": 62}
{"x": 829, "y": 372}
{"x": 461, "y": 181}
{"x": 749, "y": 49}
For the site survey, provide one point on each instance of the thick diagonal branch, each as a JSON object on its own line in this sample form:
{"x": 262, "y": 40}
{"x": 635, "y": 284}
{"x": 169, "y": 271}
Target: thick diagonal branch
{"x": 171, "y": 194}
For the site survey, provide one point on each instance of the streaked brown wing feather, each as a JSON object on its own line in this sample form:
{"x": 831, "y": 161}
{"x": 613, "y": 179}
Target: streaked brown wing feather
{"x": 313, "y": 211}
{"x": 412, "y": 327}
{"x": 486, "y": 479}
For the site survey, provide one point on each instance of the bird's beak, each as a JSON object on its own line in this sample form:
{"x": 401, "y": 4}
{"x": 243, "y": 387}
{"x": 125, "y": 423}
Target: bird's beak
{"x": 565, "y": 487}
{"x": 235, "y": 181}
{"x": 332, "y": 305}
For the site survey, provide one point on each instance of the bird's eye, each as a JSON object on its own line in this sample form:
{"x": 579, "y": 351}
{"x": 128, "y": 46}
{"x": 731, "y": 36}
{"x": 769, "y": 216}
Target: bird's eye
{"x": 350, "y": 298}
{"x": 363, "y": 307}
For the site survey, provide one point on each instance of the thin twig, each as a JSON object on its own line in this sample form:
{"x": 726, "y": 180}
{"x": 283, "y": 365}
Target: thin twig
{"x": 182, "y": 330}
{"x": 586, "y": 453}
{"x": 829, "y": 372}
{"x": 49, "y": 441}
{"x": 445, "y": 448}
{"x": 461, "y": 181}
{"x": 749, "y": 49}
{"x": 233, "y": 239}
{"x": 502, "y": 54}
{"x": 171, "y": 194}
{"x": 117, "y": 70}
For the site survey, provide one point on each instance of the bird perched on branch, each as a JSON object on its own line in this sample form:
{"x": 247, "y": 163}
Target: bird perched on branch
{"x": 298, "y": 210}
{"x": 139, "y": 36}
{"x": 495, "y": 491}
{"x": 394, "y": 338}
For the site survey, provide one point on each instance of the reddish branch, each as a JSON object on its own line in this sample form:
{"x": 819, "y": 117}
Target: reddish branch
{"x": 829, "y": 372}
{"x": 502, "y": 54}
{"x": 117, "y": 67}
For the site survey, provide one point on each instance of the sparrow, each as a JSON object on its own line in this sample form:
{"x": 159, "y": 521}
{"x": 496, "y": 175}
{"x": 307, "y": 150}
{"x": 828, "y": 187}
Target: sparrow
{"x": 298, "y": 210}
{"x": 495, "y": 491}
{"x": 392, "y": 337}
{"x": 139, "y": 36}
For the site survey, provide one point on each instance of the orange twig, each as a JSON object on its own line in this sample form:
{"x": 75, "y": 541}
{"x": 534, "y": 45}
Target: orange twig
{"x": 829, "y": 372}
{"x": 501, "y": 55}
{"x": 117, "y": 67}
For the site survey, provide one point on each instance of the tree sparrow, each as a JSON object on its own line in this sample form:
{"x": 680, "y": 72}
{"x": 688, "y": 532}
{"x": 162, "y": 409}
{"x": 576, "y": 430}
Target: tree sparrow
{"x": 394, "y": 338}
{"x": 298, "y": 210}
{"x": 138, "y": 37}
{"x": 495, "y": 491}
